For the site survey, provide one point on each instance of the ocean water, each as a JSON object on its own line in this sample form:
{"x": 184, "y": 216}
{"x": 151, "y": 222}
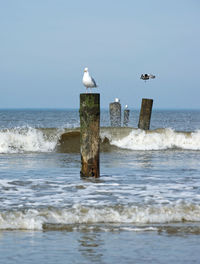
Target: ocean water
{"x": 145, "y": 207}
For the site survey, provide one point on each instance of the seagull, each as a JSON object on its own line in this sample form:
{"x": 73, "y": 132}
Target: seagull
{"x": 147, "y": 76}
{"x": 88, "y": 81}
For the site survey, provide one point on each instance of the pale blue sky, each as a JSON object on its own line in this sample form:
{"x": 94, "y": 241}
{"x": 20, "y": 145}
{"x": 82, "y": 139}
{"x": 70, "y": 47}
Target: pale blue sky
{"x": 46, "y": 44}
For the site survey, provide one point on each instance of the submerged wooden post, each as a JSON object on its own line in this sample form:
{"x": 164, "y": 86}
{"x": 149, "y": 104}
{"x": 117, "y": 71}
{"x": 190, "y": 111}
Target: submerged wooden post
{"x": 145, "y": 114}
{"x": 89, "y": 134}
{"x": 115, "y": 113}
{"x": 126, "y": 116}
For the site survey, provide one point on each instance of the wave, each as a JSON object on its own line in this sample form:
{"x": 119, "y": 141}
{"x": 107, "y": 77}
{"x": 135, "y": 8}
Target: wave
{"x": 159, "y": 139}
{"x": 54, "y": 218}
{"x": 28, "y": 139}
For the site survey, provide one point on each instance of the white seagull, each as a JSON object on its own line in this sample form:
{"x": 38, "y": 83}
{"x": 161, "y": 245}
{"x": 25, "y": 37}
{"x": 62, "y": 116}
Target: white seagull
{"x": 88, "y": 81}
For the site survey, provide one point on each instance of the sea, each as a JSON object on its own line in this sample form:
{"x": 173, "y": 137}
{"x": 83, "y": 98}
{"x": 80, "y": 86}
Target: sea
{"x": 144, "y": 208}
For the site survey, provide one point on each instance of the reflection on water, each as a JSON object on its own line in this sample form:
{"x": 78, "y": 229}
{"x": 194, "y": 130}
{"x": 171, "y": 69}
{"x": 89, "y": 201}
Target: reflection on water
{"x": 89, "y": 246}
{"x": 144, "y": 160}
{"x": 170, "y": 244}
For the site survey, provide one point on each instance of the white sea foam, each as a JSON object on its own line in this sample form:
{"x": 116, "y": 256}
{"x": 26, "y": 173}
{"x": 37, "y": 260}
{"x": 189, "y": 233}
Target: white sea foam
{"x": 34, "y": 219}
{"x": 26, "y": 139}
{"x": 159, "y": 140}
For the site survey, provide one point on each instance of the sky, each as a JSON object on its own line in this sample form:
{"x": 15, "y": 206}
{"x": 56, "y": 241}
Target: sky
{"x": 45, "y": 45}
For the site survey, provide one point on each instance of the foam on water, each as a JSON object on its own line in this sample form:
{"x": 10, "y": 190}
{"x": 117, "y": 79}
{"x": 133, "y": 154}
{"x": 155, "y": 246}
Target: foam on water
{"x": 35, "y": 219}
{"x": 28, "y": 192}
{"x": 25, "y": 139}
{"x": 28, "y": 139}
{"x": 159, "y": 140}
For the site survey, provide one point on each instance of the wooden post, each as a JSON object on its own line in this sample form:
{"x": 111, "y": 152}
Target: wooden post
{"x": 89, "y": 134}
{"x": 126, "y": 117}
{"x": 145, "y": 114}
{"x": 115, "y": 114}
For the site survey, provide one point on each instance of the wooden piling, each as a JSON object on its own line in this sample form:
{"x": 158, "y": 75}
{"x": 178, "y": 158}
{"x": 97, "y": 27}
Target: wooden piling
{"x": 145, "y": 114}
{"x": 89, "y": 134}
{"x": 115, "y": 114}
{"x": 126, "y": 117}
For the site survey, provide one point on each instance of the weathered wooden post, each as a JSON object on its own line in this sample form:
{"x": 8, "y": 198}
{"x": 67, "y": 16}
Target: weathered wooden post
{"x": 145, "y": 114}
{"x": 89, "y": 134}
{"x": 115, "y": 113}
{"x": 126, "y": 116}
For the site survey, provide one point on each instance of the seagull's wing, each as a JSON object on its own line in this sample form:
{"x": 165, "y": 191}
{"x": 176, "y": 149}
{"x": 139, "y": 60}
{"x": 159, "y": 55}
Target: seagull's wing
{"x": 152, "y": 76}
{"x": 95, "y": 85}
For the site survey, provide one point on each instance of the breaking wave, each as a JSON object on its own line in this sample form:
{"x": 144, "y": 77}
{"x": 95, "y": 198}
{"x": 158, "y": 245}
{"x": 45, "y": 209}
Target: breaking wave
{"x": 28, "y": 139}
{"x": 159, "y": 139}
{"x": 54, "y": 218}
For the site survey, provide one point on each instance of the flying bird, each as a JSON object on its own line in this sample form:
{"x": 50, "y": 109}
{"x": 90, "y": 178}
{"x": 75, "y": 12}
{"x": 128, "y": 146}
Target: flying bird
{"x": 146, "y": 76}
{"x": 88, "y": 81}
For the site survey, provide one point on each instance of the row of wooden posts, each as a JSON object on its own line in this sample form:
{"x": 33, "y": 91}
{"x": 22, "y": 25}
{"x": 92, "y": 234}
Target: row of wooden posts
{"x": 90, "y": 128}
{"x": 145, "y": 114}
{"x": 115, "y": 114}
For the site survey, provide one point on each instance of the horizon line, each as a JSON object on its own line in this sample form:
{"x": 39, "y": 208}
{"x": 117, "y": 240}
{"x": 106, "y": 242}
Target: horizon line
{"x": 75, "y": 108}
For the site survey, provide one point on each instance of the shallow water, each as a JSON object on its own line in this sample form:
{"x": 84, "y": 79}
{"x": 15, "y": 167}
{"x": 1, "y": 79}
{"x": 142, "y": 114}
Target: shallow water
{"x": 98, "y": 247}
{"x": 144, "y": 208}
